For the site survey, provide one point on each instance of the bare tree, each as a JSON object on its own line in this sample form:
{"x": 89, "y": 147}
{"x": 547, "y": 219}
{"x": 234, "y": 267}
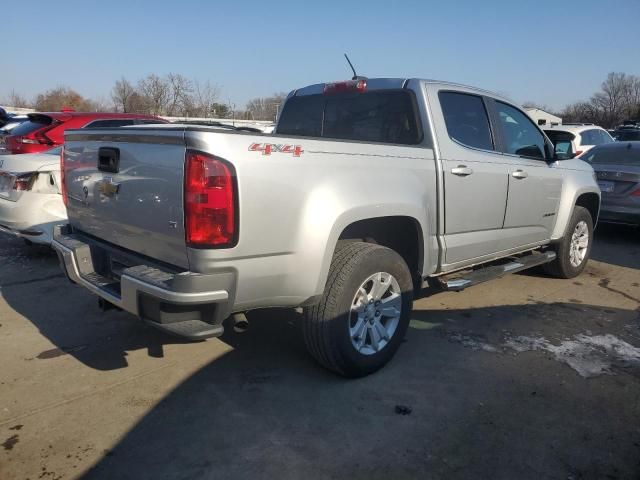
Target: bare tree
{"x": 617, "y": 100}
{"x": 180, "y": 90}
{"x": 18, "y": 101}
{"x": 266, "y": 108}
{"x": 610, "y": 101}
{"x": 205, "y": 96}
{"x": 632, "y": 107}
{"x": 121, "y": 95}
{"x": 155, "y": 91}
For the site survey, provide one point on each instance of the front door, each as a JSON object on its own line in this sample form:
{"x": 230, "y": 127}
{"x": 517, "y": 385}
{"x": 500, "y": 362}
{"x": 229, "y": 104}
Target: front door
{"x": 535, "y": 184}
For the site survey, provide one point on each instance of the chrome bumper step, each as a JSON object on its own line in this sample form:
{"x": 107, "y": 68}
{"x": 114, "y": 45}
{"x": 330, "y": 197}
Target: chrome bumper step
{"x": 457, "y": 282}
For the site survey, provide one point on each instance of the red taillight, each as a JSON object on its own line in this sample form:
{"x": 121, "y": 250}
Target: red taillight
{"x": 209, "y": 201}
{"x": 37, "y": 137}
{"x": 63, "y": 184}
{"x": 579, "y": 152}
{"x": 636, "y": 193}
{"x": 357, "y": 86}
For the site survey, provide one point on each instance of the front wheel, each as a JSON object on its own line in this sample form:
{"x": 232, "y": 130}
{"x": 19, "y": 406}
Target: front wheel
{"x": 364, "y": 312}
{"x": 574, "y": 248}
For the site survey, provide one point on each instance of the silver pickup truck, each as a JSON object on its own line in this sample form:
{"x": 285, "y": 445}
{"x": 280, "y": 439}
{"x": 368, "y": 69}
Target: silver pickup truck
{"x": 368, "y": 190}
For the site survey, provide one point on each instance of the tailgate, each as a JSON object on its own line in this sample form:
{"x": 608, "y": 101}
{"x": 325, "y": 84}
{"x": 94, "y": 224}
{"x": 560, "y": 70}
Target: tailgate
{"x": 125, "y": 186}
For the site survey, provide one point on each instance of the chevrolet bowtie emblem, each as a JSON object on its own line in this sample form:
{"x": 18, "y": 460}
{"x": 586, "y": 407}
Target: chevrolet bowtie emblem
{"x": 108, "y": 187}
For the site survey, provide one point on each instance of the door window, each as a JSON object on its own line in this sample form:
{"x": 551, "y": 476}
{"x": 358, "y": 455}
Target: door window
{"x": 588, "y": 137}
{"x": 116, "y": 122}
{"x": 466, "y": 119}
{"x": 521, "y": 136}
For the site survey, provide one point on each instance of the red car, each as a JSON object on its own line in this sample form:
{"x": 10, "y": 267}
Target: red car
{"x": 46, "y": 130}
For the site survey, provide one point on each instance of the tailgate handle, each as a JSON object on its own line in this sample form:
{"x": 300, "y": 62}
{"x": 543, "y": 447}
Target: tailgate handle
{"x": 109, "y": 159}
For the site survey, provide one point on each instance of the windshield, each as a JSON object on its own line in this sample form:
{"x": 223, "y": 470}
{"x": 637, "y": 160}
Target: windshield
{"x": 621, "y": 155}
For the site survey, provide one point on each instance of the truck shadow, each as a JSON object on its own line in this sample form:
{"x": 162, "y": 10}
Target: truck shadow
{"x": 266, "y": 410}
{"x": 32, "y": 284}
{"x": 617, "y": 245}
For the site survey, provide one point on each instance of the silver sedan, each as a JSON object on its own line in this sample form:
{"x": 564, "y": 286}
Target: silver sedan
{"x": 617, "y": 167}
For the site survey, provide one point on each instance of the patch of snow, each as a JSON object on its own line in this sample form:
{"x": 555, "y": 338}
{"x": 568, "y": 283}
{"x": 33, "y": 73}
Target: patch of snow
{"x": 588, "y": 355}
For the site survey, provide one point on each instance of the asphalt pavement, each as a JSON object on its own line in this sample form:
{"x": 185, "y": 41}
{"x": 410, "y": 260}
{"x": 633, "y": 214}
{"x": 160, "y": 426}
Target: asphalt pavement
{"x": 523, "y": 377}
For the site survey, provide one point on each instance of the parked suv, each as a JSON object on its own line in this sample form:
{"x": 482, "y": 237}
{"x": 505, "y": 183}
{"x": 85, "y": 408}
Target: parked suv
{"x": 577, "y": 138}
{"x": 42, "y": 131}
{"x": 627, "y": 133}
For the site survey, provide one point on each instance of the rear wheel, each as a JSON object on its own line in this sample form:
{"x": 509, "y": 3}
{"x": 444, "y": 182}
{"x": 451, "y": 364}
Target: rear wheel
{"x": 575, "y": 247}
{"x": 363, "y": 314}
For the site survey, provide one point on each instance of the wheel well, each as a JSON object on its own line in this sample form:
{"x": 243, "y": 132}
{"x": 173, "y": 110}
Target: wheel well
{"x": 401, "y": 234}
{"x": 591, "y": 202}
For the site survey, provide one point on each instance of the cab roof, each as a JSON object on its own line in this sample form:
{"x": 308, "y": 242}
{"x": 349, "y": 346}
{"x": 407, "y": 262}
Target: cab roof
{"x": 394, "y": 84}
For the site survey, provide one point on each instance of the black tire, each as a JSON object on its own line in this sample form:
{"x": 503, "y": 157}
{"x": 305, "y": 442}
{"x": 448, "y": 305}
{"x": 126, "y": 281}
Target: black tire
{"x": 326, "y": 324}
{"x": 561, "y": 267}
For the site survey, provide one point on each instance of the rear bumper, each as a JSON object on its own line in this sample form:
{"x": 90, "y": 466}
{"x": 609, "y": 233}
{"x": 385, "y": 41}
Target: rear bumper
{"x": 32, "y": 216}
{"x": 184, "y": 303}
{"x": 619, "y": 214}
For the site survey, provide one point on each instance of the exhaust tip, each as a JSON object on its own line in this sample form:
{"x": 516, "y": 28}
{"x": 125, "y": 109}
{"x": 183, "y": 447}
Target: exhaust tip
{"x": 240, "y": 322}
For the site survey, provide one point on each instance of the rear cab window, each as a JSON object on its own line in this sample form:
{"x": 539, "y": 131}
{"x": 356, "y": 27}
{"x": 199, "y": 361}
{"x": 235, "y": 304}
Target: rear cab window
{"x": 379, "y": 116}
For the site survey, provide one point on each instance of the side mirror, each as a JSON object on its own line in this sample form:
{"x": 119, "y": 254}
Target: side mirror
{"x": 532, "y": 151}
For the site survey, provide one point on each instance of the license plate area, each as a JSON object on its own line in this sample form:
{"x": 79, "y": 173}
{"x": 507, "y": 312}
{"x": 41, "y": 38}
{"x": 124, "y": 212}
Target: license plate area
{"x": 606, "y": 186}
{"x": 6, "y": 183}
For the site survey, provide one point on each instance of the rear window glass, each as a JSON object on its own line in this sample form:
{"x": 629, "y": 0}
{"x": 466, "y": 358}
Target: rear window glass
{"x": 561, "y": 141}
{"x": 380, "y": 116}
{"x": 31, "y": 126}
{"x": 623, "y": 155}
{"x": 559, "y": 135}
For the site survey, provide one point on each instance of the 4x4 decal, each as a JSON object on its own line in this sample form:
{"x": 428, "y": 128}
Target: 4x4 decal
{"x": 269, "y": 148}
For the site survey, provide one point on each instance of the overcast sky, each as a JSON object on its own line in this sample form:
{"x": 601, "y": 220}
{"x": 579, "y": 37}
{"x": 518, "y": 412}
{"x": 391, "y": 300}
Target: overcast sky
{"x": 551, "y": 52}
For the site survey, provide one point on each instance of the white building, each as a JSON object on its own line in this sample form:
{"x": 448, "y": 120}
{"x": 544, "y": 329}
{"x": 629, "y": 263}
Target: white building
{"x": 542, "y": 118}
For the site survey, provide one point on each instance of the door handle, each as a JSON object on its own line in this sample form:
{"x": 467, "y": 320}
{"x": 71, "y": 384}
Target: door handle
{"x": 520, "y": 174}
{"x": 462, "y": 171}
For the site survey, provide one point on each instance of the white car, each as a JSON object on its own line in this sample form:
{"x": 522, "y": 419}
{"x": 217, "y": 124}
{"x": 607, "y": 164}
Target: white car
{"x": 30, "y": 197}
{"x": 577, "y": 138}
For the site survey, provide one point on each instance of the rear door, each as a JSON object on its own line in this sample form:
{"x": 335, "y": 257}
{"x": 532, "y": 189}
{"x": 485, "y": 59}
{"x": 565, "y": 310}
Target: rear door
{"x": 475, "y": 177}
{"x": 127, "y": 189}
{"x": 535, "y": 184}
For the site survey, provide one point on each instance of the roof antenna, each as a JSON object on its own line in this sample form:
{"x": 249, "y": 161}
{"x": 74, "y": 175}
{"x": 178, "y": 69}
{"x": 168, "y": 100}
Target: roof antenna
{"x": 355, "y": 75}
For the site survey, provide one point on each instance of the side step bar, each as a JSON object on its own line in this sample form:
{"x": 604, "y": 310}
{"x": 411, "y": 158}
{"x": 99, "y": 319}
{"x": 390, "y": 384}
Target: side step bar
{"x": 459, "y": 283}
{"x": 189, "y": 329}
